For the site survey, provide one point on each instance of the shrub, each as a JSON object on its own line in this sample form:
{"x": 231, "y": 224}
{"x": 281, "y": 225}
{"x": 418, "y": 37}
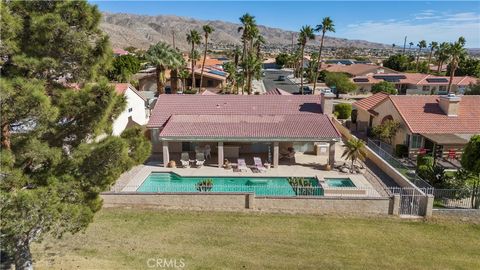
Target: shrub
{"x": 205, "y": 185}
{"x": 424, "y": 160}
{"x": 401, "y": 150}
{"x": 344, "y": 110}
{"x": 384, "y": 86}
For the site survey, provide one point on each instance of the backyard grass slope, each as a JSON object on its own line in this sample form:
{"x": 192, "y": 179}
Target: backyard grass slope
{"x": 128, "y": 238}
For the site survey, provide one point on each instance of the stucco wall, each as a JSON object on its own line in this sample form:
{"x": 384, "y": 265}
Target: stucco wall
{"x": 240, "y": 202}
{"x": 138, "y": 113}
{"x": 387, "y": 108}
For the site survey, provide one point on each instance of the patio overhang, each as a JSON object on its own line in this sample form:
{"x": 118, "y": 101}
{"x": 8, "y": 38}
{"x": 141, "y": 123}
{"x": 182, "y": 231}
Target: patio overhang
{"x": 447, "y": 139}
{"x": 245, "y": 139}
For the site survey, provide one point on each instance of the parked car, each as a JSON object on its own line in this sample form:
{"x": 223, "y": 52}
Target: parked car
{"x": 306, "y": 90}
{"x": 281, "y": 78}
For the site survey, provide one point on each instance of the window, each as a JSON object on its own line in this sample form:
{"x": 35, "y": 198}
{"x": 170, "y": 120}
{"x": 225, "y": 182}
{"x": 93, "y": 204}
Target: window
{"x": 426, "y": 88}
{"x": 442, "y": 88}
{"x": 416, "y": 141}
{"x": 130, "y": 109}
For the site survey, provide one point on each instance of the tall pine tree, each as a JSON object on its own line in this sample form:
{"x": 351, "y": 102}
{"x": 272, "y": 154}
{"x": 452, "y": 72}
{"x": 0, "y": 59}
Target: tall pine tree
{"x": 52, "y": 166}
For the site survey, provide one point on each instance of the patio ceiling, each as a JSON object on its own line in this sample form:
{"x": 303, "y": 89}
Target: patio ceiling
{"x": 444, "y": 139}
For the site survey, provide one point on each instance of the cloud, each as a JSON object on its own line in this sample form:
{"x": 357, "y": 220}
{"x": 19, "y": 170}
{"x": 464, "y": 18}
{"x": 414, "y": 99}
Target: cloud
{"x": 428, "y": 24}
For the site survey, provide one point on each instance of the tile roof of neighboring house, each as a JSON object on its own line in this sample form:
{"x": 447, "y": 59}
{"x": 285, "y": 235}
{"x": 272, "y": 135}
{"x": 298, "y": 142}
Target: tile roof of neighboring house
{"x": 291, "y": 126}
{"x": 209, "y": 62}
{"x": 208, "y": 73}
{"x": 277, "y": 91}
{"x": 418, "y": 79}
{"x": 355, "y": 69}
{"x": 120, "y": 51}
{"x": 423, "y": 114}
{"x": 242, "y": 116}
{"x": 371, "y": 101}
{"x": 121, "y": 88}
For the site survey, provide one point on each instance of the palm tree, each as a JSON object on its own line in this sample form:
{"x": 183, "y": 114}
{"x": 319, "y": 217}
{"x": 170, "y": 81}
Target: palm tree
{"x": 433, "y": 46}
{"x": 248, "y": 29}
{"x": 422, "y": 44}
{"x": 393, "y": 47}
{"x": 354, "y": 150}
{"x": 455, "y": 52}
{"x": 259, "y": 41}
{"x": 410, "y": 45}
{"x": 184, "y": 75}
{"x": 231, "y": 69}
{"x": 194, "y": 39}
{"x": 326, "y": 26}
{"x": 163, "y": 57}
{"x": 207, "y": 30}
{"x": 306, "y": 34}
{"x": 252, "y": 67}
{"x": 441, "y": 55}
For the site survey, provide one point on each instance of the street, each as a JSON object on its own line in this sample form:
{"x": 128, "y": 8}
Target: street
{"x": 271, "y": 82}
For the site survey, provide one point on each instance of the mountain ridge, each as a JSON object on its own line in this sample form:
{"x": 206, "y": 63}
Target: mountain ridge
{"x": 141, "y": 31}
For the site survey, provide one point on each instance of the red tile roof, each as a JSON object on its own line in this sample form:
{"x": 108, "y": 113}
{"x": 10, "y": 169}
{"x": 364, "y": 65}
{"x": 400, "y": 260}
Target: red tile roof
{"x": 423, "y": 114}
{"x": 300, "y": 126}
{"x": 420, "y": 79}
{"x": 371, "y": 101}
{"x": 355, "y": 69}
{"x": 232, "y": 116}
{"x": 121, "y": 88}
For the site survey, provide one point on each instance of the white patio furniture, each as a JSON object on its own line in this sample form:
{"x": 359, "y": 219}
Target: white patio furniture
{"x": 258, "y": 164}
{"x": 185, "y": 160}
{"x": 242, "y": 166}
{"x": 200, "y": 160}
{"x": 207, "y": 151}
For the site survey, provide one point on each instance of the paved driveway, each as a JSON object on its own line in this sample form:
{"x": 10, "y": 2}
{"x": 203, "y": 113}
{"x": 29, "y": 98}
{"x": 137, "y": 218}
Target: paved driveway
{"x": 270, "y": 81}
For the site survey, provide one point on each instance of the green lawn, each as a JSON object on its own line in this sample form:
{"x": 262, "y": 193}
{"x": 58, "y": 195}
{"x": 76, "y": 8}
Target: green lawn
{"x": 127, "y": 238}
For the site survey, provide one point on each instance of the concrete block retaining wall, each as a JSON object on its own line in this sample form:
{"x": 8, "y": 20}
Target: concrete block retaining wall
{"x": 242, "y": 201}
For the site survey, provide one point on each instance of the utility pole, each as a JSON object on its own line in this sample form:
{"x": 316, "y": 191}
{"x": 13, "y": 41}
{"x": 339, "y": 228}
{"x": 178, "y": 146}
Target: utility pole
{"x": 404, "y": 44}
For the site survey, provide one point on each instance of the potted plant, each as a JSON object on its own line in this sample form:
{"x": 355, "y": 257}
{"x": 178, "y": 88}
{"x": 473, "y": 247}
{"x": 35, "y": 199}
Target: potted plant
{"x": 205, "y": 185}
{"x": 226, "y": 164}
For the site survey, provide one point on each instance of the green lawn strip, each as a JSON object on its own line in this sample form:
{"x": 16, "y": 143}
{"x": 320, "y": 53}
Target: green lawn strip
{"x": 127, "y": 238}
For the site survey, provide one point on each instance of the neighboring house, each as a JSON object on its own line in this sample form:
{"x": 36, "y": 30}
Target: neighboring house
{"x": 234, "y": 125}
{"x": 347, "y": 61}
{"x": 355, "y": 70}
{"x": 443, "y": 123}
{"x": 415, "y": 83}
{"x": 135, "y": 113}
{"x": 212, "y": 78}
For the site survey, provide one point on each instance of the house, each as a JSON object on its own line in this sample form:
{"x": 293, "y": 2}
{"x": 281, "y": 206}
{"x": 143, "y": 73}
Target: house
{"x": 233, "y": 125}
{"x": 135, "y": 113}
{"x": 212, "y": 78}
{"x": 415, "y": 83}
{"x": 355, "y": 70}
{"x": 427, "y": 122}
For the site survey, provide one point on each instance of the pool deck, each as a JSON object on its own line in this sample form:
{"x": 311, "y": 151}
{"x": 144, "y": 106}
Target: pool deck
{"x": 130, "y": 181}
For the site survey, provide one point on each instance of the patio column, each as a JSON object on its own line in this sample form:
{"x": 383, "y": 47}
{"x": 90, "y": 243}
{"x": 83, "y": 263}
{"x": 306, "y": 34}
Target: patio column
{"x": 275, "y": 154}
{"x": 220, "y": 154}
{"x": 166, "y": 154}
{"x": 331, "y": 154}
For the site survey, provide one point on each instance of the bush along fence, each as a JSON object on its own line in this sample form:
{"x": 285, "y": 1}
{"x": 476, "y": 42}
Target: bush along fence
{"x": 457, "y": 198}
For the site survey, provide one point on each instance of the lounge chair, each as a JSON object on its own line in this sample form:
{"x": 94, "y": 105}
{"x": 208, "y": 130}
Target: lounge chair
{"x": 258, "y": 164}
{"x": 185, "y": 160}
{"x": 200, "y": 159}
{"x": 242, "y": 166}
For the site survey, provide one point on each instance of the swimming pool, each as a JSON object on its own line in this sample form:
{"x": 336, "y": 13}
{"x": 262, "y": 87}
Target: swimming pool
{"x": 339, "y": 182}
{"x": 261, "y": 186}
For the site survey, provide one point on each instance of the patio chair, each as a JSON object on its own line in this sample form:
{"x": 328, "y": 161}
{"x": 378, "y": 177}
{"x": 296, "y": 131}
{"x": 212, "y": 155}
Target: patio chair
{"x": 258, "y": 164}
{"x": 200, "y": 159}
{"x": 242, "y": 166}
{"x": 185, "y": 160}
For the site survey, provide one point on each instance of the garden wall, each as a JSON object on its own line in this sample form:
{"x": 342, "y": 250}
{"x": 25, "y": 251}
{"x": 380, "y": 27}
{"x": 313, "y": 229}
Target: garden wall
{"x": 242, "y": 201}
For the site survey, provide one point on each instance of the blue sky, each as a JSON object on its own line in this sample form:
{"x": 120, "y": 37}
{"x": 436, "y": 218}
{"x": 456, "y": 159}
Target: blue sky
{"x": 379, "y": 21}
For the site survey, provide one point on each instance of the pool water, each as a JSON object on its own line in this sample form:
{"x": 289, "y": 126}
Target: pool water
{"x": 339, "y": 182}
{"x": 262, "y": 186}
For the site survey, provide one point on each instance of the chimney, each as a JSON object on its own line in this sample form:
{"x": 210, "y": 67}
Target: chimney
{"x": 450, "y": 104}
{"x": 327, "y": 102}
